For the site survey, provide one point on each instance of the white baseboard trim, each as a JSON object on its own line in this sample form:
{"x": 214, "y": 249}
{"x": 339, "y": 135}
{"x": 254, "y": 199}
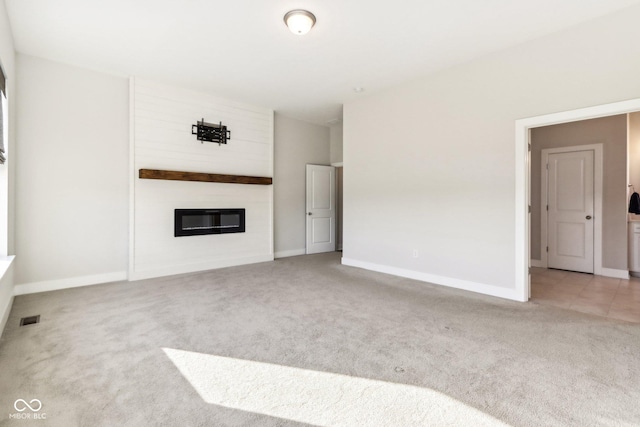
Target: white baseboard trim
{"x": 618, "y": 274}
{"x": 294, "y": 252}
{"x": 194, "y": 268}
{"x": 72, "y": 282}
{"x": 466, "y": 285}
{"x": 607, "y": 272}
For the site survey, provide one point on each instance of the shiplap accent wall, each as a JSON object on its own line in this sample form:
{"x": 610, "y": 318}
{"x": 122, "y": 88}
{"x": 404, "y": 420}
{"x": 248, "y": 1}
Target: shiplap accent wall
{"x": 161, "y": 119}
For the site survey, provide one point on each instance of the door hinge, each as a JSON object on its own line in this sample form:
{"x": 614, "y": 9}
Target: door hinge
{"x": 529, "y": 270}
{"x": 547, "y": 248}
{"x": 529, "y": 146}
{"x": 529, "y": 208}
{"x": 547, "y": 208}
{"x": 547, "y": 166}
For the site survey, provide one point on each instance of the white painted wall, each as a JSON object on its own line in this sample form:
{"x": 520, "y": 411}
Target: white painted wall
{"x": 297, "y": 143}
{"x": 335, "y": 134}
{"x": 441, "y": 178}
{"x": 71, "y": 181}
{"x": 161, "y": 139}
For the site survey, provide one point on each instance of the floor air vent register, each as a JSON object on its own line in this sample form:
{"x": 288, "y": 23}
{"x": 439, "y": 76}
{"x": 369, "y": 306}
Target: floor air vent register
{"x": 31, "y": 320}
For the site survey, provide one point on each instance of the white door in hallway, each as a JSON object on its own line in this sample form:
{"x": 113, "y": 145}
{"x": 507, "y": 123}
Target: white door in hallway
{"x": 321, "y": 209}
{"x": 570, "y": 211}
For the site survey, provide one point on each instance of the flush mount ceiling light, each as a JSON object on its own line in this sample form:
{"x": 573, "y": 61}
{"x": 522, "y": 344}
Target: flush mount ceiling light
{"x": 299, "y": 21}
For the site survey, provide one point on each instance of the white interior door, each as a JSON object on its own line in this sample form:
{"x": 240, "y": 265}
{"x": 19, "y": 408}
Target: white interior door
{"x": 570, "y": 211}
{"x": 321, "y": 209}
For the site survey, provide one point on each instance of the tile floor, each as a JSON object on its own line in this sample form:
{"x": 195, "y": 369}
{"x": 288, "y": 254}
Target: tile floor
{"x": 603, "y": 296}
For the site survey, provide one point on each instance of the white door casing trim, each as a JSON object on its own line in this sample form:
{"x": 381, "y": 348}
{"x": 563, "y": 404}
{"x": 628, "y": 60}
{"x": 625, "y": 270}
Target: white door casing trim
{"x": 598, "y": 170}
{"x": 522, "y": 127}
{"x": 132, "y": 177}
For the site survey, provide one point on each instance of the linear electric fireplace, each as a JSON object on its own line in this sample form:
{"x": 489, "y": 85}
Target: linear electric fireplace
{"x": 195, "y": 222}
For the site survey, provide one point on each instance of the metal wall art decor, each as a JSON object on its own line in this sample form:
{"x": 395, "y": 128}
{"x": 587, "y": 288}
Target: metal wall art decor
{"x": 210, "y": 132}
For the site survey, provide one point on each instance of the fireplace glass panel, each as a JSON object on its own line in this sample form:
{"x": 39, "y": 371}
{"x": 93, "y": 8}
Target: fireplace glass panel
{"x": 189, "y": 222}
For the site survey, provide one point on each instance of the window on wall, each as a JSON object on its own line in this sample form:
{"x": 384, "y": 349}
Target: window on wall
{"x": 3, "y": 116}
{"x": 3, "y": 127}
{"x": 4, "y": 173}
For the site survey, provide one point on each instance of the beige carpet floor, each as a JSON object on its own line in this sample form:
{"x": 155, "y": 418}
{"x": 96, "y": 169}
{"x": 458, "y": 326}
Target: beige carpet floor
{"x": 307, "y": 341}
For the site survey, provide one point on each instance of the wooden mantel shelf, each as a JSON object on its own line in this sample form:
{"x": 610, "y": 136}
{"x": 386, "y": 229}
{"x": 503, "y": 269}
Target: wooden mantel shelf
{"x": 204, "y": 177}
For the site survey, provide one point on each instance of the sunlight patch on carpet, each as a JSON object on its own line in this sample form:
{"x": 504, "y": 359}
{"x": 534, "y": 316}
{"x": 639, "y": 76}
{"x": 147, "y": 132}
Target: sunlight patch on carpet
{"x": 319, "y": 398}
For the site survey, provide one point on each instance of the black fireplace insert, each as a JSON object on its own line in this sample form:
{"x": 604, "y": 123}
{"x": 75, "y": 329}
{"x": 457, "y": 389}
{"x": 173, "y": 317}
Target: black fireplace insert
{"x": 195, "y": 222}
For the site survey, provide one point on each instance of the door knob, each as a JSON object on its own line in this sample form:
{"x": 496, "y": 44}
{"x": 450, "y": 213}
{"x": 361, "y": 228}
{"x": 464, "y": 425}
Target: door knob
{"x": 309, "y": 214}
{"x": 588, "y": 216}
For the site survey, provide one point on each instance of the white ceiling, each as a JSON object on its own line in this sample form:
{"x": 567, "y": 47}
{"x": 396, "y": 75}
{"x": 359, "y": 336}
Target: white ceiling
{"x": 241, "y": 49}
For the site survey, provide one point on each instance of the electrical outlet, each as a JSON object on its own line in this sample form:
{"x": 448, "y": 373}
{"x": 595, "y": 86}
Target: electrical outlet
{"x": 415, "y": 253}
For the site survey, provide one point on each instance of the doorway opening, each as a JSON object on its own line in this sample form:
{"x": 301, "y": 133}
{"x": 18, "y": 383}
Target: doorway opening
{"x": 523, "y": 130}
